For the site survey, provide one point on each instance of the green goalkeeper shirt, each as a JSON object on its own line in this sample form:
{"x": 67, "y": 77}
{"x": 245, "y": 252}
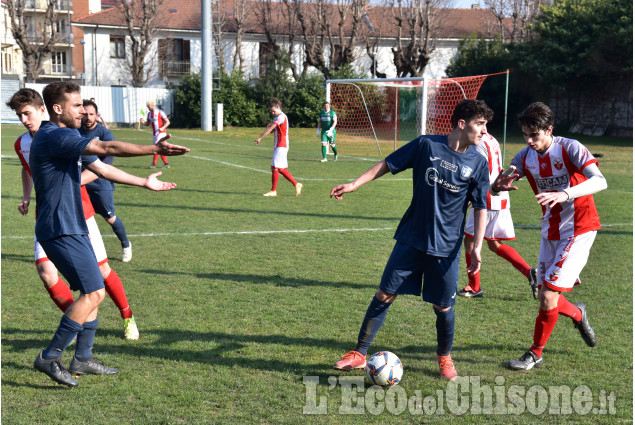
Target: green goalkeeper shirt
{"x": 327, "y": 119}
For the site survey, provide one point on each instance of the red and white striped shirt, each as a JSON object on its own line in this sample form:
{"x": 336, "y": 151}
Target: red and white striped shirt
{"x": 557, "y": 169}
{"x": 491, "y": 150}
{"x": 22, "y": 147}
{"x": 156, "y": 119}
{"x": 281, "y": 135}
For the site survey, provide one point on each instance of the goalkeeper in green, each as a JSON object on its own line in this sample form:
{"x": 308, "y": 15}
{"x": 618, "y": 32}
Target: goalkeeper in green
{"x": 326, "y": 130}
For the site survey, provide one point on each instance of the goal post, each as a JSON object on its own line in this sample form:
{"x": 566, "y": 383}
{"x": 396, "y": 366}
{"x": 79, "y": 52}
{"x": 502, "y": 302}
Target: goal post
{"x": 377, "y": 116}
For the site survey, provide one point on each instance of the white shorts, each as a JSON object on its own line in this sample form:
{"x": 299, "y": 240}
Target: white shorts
{"x": 561, "y": 262}
{"x": 279, "y": 159}
{"x": 500, "y": 226}
{"x": 95, "y": 239}
{"x": 159, "y": 137}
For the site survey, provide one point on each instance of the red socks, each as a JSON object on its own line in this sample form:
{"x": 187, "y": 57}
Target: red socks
{"x": 61, "y": 295}
{"x": 545, "y": 322}
{"x": 475, "y": 280}
{"x": 114, "y": 288}
{"x": 567, "y": 309}
{"x": 275, "y": 172}
{"x": 511, "y": 255}
{"x": 287, "y": 175}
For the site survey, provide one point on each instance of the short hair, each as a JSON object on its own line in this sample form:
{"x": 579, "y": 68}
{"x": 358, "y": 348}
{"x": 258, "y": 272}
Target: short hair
{"x": 326, "y": 103}
{"x": 468, "y": 109}
{"x": 54, "y": 93}
{"x": 150, "y": 102}
{"x": 275, "y": 103}
{"x": 536, "y": 116}
{"x": 25, "y": 97}
{"x": 90, "y": 102}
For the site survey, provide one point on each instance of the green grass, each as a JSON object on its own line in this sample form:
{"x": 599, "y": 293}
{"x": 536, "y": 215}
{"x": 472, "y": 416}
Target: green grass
{"x": 238, "y": 297}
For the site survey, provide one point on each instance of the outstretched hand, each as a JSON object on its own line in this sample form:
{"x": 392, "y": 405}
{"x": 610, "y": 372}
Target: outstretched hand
{"x": 169, "y": 149}
{"x": 338, "y": 191}
{"x": 504, "y": 183}
{"x": 153, "y": 183}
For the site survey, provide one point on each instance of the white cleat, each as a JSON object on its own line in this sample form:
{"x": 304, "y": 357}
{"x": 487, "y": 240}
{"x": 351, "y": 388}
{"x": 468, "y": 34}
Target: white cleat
{"x": 126, "y": 253}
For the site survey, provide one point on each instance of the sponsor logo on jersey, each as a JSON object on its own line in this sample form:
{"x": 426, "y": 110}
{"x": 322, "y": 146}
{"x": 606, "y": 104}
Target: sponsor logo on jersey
{"x": 433, "y": 178}
{"x": 558, "y": 164}
{"x": 466, "y": 171}
{"x": 552, "y": 183}
{"x": 435, "y": 158}
{"x": 449, "y": 166}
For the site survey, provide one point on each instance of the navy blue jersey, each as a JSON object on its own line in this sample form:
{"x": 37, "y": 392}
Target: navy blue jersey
{"x": 444, "y": 182}
{"x": 56, "y": 164}
{"x": 102, "y": 133}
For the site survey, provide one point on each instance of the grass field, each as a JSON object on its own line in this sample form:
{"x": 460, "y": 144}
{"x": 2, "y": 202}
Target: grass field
{"x": 244, "y": 302}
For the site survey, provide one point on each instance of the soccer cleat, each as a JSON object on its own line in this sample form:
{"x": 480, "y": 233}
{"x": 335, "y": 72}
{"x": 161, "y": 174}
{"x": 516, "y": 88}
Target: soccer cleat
{"x": 270, "y": 193}
{"x": 447, "y": 367}
{"x": 351, "y": 360}
{"x": 166, "y": 166}
{"x": 91, "y": 366}
{"x": 335, "y": 159}
{"x": 533, "y": 281}
{"x": 526, "y": 361}
{"x": 55, "y": 369}
{"x": 468, "y": 292}
{"x": 126, "y": 253}
{"x": 323, "y": 160}
{"x": 586, "y": 331}
{"x": 298, "y": 189}
{"x": 130, "y": 330}
{"x": 153, "y": 166}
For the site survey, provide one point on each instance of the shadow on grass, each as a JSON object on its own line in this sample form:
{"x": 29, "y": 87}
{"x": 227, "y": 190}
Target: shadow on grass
{"x": 263, "y": 279}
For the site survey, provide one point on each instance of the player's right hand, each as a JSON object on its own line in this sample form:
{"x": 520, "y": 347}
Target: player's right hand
{"x": 169, "y": 149}
{"x": 155, "y": 184}
{"x": 338, "y": 191}
{"x": 23, "y": 207}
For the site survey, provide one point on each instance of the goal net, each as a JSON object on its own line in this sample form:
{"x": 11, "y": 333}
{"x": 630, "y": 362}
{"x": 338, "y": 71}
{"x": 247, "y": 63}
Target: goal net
{"x": 377, "y": 116}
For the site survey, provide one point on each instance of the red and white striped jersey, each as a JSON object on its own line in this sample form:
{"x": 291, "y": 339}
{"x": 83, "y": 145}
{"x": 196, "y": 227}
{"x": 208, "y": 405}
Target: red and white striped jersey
{"x": 282, "y": 131}
{"x": 491, "y": 150}
{"x": 23, "y": 148}
{"x": 557, "y": 169}
{"x": 156, "y": 119}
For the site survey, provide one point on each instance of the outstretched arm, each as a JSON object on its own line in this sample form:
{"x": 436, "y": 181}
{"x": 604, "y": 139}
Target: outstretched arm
{"x": 115, "y": 148}
{"x": 116, "y": 175}
{"x": 268, "y": 130}
{"x": 371, "y": 174}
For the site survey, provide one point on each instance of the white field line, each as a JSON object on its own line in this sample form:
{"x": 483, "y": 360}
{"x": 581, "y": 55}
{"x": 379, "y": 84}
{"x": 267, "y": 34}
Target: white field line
{"x": 287, "y": 231}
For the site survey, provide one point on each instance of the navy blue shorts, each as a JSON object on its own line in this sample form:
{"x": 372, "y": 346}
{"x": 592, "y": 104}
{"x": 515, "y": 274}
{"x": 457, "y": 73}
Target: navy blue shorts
{"x": 103, "y": 202}
{"x": 75, "y": 259}
{"x": 410, "y": 271}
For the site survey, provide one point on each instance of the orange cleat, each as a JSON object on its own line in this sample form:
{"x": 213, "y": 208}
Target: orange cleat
{"x": 351, "y": 360}
{"x": 447, "y": 367}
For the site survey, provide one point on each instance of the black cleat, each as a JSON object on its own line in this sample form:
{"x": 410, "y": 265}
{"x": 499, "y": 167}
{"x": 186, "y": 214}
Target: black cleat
{"x": 55, "y": 369}
{"x": 533, "y": 281}
{"x": 586, "y": 331}
{"x": 91, "y": 366}
{"x": 526, "y": 361}
{"x": 468, "y": 292}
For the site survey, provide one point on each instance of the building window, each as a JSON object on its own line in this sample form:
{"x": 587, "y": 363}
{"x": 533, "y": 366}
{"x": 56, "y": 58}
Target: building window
{"x": 58, "y": 62}
{"x": 117, "y": 46}
{"x": 174, "y": 57}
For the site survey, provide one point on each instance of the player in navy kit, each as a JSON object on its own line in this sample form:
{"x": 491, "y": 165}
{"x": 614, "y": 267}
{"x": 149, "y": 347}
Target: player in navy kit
{"x": 448, "y": 173}
{"x": 100, "y": 190}
{"x": 57, "y": 154}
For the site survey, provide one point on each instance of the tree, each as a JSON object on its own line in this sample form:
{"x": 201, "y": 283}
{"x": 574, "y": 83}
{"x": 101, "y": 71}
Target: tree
{"x": 521, "y": 13}
{"x": 239, "y": 17}
{"x": 139, "y": 17}
{"x": 417, "y": 22}
{"x": 36, "y": 38}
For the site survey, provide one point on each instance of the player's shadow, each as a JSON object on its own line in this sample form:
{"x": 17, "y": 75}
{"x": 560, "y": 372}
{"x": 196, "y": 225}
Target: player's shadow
{"x": 263, "y": 279}
{"x": 18, "y": 258}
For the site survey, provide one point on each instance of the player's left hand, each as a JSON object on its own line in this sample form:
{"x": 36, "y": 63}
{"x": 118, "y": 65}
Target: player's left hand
{"x": 551, "y": 198}
{"x": 23, "y": 207}
{"x": 153, "y": 183}
{"x": 475, "y": 262}
{"x": 169, "y": 149}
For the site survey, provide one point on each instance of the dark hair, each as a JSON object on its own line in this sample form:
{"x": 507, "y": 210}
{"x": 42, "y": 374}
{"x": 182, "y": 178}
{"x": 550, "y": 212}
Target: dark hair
{"x": 25, "y": 97}
{"x": 90, "y": 102}
{"x": 54, "y": 93}
{"x": 275, "y": 103}
{"x": 536, "y": 116}
{"x": 468, "y": 109}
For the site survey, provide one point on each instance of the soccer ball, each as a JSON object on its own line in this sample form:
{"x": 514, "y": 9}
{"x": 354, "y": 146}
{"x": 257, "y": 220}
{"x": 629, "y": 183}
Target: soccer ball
{"x": 384, "y": 369}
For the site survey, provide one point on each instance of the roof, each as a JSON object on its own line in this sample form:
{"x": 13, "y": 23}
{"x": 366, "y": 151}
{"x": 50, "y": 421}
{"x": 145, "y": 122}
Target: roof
{"x": 186, "y": 15}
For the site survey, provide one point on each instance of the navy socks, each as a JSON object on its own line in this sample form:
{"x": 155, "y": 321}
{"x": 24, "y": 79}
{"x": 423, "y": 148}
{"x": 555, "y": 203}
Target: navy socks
{"x": 373, "y": 320}
{"x": 64, "y": 335}
{"x": 445, "y": 331}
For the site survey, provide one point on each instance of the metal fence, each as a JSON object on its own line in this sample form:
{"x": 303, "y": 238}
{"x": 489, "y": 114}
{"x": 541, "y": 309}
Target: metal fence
{"x": 117, "y": 105}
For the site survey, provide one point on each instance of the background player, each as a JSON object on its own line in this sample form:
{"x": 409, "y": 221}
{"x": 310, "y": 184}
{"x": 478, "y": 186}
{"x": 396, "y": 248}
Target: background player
{"x": 326, "y": 130}
{"x": 100, "y": 118}
{"x": 448, "y": 173}
{"x": 55, "y": 161}
{"x": 279, "y": 164}
{"x": 101, "y": 190}
{"x": 29, "y": 107}
{"x": 563, "y": 175}
{"x": 500, "y": 226}
{"x": 159, "y": 122}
